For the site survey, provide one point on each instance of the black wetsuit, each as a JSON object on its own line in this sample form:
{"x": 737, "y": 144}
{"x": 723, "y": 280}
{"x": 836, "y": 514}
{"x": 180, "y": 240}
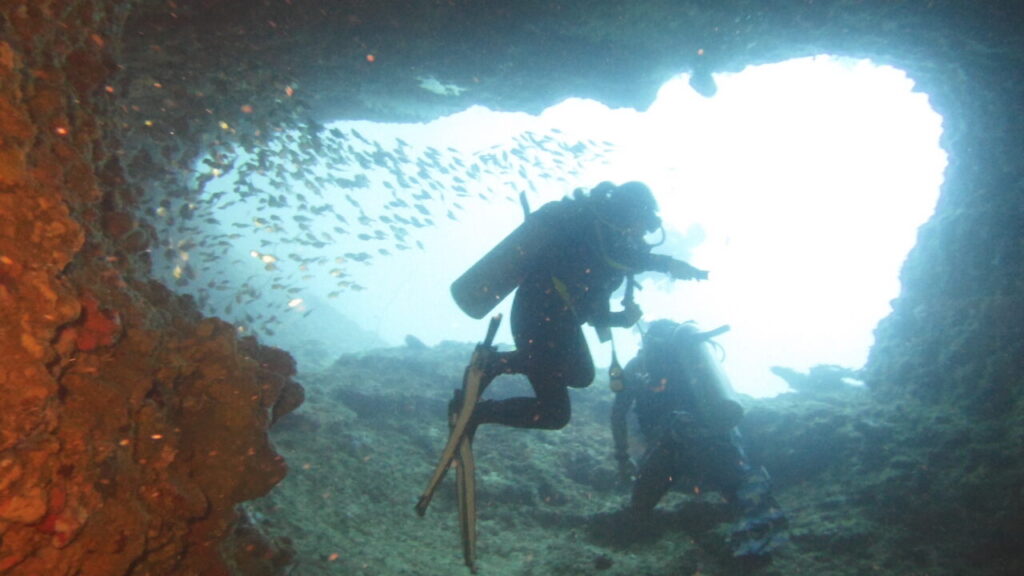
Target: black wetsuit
{"x": 568, "y": 285}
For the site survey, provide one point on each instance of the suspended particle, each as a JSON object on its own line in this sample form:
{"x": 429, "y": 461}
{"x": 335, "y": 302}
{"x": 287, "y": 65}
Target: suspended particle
{"x": 295, "y": 302}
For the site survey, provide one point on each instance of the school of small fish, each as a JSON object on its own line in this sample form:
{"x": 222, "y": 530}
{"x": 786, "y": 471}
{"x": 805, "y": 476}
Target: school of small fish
{"x": 321, "y": 202}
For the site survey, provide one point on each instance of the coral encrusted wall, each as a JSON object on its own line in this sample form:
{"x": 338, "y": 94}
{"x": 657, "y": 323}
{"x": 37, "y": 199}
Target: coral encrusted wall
{"x": 130, "y": 426}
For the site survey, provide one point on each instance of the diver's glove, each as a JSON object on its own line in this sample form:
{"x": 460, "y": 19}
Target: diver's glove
{"x": 630, "y": 315}
{"x": 680, "y": 270}
{"x": 627, "y": 468}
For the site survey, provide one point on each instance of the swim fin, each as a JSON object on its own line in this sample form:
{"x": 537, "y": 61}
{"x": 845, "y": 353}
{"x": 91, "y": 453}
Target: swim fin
{"x": 473, "y": 384}
{"x": 465, "y": 492}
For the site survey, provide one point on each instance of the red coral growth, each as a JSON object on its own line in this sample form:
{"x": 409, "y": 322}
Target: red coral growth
{"x": 58, "y": 499}
{"x": 99, "y": 328}
{"x": 63, "y": 522}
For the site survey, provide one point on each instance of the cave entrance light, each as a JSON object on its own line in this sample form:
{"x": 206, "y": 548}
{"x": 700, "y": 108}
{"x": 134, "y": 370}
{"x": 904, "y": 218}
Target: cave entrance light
{"x": 800, "y": 187}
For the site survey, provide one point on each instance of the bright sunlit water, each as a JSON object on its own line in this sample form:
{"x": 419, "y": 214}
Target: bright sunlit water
{"x": 800, "y": 187}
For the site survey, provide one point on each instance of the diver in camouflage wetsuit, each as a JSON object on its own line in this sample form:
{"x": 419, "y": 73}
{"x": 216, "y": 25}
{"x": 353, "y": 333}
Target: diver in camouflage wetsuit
{"x": 687, "y": 418}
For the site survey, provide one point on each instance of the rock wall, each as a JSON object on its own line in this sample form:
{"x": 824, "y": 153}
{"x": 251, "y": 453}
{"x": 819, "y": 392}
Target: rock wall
{"x": 131, "y": 426}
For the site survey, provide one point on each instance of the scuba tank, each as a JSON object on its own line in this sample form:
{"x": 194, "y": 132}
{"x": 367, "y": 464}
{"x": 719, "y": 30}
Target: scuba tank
{"x": 501, "y": 270}
{"x": 713, "y": 395}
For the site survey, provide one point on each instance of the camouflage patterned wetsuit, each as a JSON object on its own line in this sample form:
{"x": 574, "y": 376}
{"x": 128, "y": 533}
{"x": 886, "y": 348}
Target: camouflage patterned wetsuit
{"x": 684, "y": 448}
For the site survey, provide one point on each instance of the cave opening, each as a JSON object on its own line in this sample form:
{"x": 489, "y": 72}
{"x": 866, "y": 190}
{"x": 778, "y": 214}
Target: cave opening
{"x": 799, "y": 185}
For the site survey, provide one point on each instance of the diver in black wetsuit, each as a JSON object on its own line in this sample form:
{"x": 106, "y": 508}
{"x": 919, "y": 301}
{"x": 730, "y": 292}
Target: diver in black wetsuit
{"x": 566, "y": 260}
{"x": 687, "y": 417}
{"x": 592, "y": 242}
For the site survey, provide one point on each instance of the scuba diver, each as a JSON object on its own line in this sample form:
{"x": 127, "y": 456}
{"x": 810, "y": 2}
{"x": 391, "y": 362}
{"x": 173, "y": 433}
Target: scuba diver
{"x": 687, "y": 415}
{"x": 566, "y": 260}
{"x": 578, "y": 252}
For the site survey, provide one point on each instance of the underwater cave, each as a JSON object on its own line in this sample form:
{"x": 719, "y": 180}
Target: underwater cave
{"x": 177, "y": 176}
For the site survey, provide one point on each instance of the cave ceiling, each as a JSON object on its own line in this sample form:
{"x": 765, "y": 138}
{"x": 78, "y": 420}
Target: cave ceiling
{"x": 415, "y": 60}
